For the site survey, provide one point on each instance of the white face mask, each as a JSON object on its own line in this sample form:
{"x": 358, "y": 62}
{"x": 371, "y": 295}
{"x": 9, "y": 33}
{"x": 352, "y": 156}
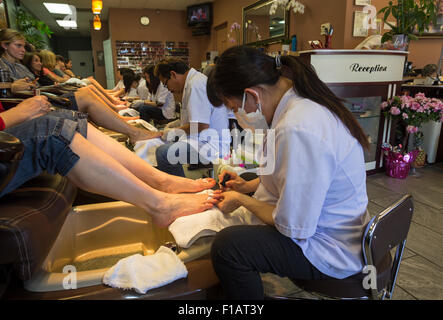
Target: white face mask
{"x": 253, "y": 120}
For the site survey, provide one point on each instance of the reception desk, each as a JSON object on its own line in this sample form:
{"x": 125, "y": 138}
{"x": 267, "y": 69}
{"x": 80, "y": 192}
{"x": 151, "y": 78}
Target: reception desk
{"x": 364, "y": 79}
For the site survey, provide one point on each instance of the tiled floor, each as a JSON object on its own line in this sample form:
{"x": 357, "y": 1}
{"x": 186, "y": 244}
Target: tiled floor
{"x": 421, "y": 271}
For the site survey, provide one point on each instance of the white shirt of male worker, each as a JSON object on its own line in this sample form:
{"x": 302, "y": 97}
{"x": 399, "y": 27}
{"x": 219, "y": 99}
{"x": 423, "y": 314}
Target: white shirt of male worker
{"x": 318, "y": 187}
{"x": 165, "y": 97}
{"x": 196, "y": 108}
{"x": 142, "y": 90}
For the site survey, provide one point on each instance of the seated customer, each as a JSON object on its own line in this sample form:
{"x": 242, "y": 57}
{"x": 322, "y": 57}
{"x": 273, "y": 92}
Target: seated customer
{"x": 161, "y": 105}
{"x": 33, "y": 62}
{"x": 130, "y": 81}
{"x": 206, "y": 140}
{"x": 49, "y": 66}
{"x": 63, "y": 142}
{"x": 60, "y": 67}
{"x": 68, "y": 71}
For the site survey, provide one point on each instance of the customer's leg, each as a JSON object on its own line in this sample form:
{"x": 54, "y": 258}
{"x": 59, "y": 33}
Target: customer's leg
{"x": 103, "y": 90}
{"x": 144, "y": 171}
{"x": 97, "y": 172}
{"x": 107, "y": 118}
{"x": 239, "y": 254}
{"x": 106, "y": 100}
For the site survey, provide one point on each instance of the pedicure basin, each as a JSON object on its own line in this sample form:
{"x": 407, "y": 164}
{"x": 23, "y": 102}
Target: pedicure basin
{"x": 94, "y": 237}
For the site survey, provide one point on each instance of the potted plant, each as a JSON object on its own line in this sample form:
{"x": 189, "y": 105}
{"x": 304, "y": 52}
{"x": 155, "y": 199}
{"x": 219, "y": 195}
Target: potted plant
{"x": 411, "y": 16}
{"x": 32, "y": 29}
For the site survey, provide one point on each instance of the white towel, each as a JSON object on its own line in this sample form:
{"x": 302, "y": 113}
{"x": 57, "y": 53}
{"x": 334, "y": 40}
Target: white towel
{"x": 144, "y": 123}
{"x": 129, "y": 112}
{"x": 186, "y": 230}
{"x": 145, "y": 149}
{"x": 143, "y": 273}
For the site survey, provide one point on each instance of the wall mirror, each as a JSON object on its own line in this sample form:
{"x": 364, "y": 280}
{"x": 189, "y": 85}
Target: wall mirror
{"x": 261, "y": 27}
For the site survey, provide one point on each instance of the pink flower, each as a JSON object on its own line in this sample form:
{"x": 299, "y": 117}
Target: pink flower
{"x": 415, "y": 105}
{"x": 411, "y": 129}
{"x": 384, "y": 105}
{"x": 395, "y": 111}
{"x": 405, "y": 116}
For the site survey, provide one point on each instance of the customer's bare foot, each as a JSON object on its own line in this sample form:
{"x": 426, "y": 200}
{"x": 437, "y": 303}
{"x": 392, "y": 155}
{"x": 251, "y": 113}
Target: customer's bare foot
{"x": 179, "y": 205}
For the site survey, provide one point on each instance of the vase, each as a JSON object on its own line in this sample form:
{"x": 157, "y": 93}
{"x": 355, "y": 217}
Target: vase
{"x": 400, "y": 42}
{"x": 397, "y": 169}
{"x": 420, "y": 161}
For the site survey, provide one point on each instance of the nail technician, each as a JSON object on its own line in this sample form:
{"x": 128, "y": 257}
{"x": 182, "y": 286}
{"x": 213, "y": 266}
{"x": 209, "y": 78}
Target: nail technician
{"x": 313, "y": 205}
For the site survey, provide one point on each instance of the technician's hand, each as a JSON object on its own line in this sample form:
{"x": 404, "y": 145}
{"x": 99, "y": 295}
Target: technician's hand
{"x": 229, "y": 201}
{"x": 234, "y": 182}
{"x": 34, "y": 107}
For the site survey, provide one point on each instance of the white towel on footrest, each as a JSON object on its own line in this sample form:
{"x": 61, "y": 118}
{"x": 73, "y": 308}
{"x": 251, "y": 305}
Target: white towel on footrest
{"x": 186, "y": 230}
{"x": 143, "y": 273}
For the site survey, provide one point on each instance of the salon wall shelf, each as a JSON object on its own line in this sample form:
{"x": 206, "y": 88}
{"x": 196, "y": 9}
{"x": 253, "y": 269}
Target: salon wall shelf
{"x": 363, "y": 79}
{"x": 137, "y": 54}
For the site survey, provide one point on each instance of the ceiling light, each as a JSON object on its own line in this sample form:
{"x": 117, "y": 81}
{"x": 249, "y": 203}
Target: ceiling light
{"x": 97, "y": 23}
{"x": 97, "y": 6}
{"x": 67, "y": 24}
{"x": 58, "y": 8}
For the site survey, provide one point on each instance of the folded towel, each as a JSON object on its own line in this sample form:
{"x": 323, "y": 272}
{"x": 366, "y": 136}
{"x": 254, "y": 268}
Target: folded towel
{"x": 145, "y": 149}
{"x": 186, "y": 230}
{"x": 144, "y": 123}
{"x": 143, "y": 273}
{"x": 129, "y": 112}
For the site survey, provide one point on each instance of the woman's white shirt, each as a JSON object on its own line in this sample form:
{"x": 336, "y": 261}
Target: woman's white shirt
{"x": 119, "y": 86}
{"x": 318, "y": 187}
{"x": 132, "y": 93}
{"x": 165, "y": 97}
{"x": 142, "y": 90}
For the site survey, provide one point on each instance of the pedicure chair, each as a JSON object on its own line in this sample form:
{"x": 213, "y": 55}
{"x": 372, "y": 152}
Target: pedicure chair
{"x": 48, "y": 224}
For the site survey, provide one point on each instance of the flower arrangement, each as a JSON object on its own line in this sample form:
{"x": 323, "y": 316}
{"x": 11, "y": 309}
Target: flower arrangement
{"x": 398, "y": 162}
{"x": 234, "y": 33}
{"x": 297, "y": 7}
{"x": 413, "y": 112}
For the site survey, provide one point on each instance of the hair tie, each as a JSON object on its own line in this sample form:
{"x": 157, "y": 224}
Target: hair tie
{"x": 278, "y": 61}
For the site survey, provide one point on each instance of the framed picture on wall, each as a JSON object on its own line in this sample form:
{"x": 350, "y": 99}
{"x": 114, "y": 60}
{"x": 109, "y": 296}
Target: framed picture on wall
{"x": 360, "y": 28}
{"x": 362, "y": 2}
{"x": 437, "y": 30}
{"x": 100, "y": 58}
{"x": 3, "y": 18}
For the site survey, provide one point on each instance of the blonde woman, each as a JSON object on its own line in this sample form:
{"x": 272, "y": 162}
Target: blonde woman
{"x": 12, "y": 50}
{"x": 48, "y": 64}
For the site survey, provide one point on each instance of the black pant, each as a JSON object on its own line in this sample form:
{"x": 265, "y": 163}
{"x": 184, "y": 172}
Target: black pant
{"x": 149, "y": 112}
{"x": 240, "y": 253}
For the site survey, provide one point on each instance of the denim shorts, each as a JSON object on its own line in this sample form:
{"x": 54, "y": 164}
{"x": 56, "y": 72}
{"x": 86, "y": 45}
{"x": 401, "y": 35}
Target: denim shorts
{"x": 46, "y": 140}
{"x": 71, "y": 97}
